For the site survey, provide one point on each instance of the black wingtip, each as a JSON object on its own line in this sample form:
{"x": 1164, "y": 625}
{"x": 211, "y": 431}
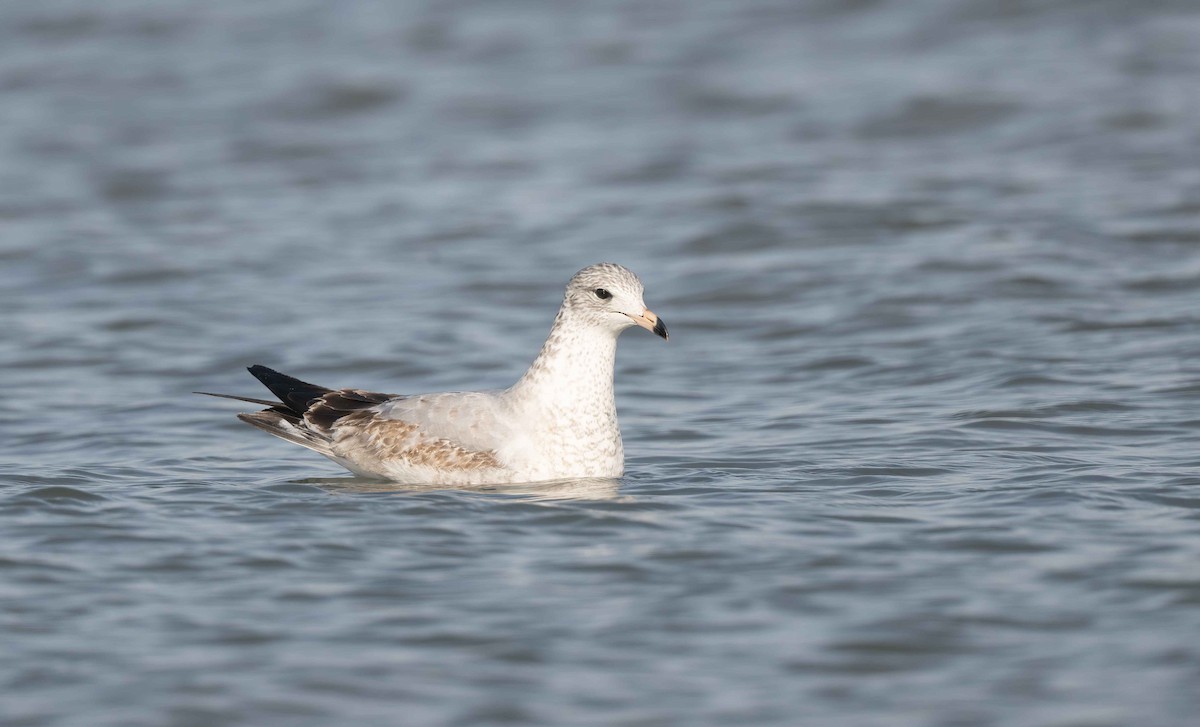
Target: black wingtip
{"x": 249, "y": 399}
{"x": 295, "y": 394}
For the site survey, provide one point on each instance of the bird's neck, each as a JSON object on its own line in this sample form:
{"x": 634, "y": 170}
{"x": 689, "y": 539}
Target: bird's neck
{"x": 574, "y": 369}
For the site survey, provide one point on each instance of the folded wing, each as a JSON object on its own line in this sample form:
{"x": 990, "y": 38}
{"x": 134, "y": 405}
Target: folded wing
{"x": 382, "y": 434}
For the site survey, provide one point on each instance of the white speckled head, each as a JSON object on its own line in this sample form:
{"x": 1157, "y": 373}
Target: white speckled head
{"x": 610, "y": 296}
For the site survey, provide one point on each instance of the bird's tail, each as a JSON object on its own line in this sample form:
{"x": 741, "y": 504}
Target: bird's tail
{"x": 283, "y": 418}
{"x": 287, "y": 427}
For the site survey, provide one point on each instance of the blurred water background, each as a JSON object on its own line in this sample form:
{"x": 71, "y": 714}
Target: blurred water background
{"x": 922, "y": 449}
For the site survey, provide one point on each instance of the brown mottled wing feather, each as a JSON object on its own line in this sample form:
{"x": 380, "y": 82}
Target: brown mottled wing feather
{"x": 367, "y": 435}
{"x": 325, "y": 411}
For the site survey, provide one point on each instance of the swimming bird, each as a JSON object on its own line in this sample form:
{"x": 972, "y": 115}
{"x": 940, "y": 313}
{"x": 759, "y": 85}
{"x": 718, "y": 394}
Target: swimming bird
{"x": 559, "y": 421}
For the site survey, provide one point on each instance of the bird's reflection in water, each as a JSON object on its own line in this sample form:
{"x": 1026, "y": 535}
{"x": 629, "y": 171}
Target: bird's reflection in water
{"x": 590, "y": 488}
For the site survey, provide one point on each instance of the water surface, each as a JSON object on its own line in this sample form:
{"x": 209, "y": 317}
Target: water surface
{"x": 922, "y": 448}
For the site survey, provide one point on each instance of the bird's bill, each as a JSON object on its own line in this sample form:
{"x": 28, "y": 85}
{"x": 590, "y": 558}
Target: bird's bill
{"x": 651, "y": 322}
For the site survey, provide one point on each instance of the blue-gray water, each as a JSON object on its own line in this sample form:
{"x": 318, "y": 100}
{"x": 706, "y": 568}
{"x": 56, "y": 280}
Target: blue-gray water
{"x": 922, "y": 449}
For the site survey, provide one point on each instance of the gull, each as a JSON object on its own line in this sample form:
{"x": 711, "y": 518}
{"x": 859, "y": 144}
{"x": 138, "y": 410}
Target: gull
{"x": 559, "y": 421}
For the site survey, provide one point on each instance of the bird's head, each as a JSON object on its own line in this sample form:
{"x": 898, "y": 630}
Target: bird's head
{"x": 610, "y": 296}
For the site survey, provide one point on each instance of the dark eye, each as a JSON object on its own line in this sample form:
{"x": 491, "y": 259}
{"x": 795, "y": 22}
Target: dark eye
{"x": 603, "y": 294}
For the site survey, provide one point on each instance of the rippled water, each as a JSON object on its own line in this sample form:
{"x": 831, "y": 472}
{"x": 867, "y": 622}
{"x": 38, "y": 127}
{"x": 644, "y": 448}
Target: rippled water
{"x": 922, "y": 449}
